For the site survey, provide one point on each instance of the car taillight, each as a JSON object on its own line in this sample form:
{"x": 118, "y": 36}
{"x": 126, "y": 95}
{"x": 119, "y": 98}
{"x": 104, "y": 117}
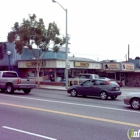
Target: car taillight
{"x": 107, "y": 82}
{"x": 18, "y": 81}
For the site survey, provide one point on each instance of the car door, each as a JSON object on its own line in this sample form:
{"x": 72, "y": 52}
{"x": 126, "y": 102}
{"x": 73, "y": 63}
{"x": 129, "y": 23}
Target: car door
{"x": 86, "y": 88}
{"x": 95, "y": 88}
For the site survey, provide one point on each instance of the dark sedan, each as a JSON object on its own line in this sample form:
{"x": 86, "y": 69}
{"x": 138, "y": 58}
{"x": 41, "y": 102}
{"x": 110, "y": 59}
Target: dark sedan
{"x": 98, "y": 87}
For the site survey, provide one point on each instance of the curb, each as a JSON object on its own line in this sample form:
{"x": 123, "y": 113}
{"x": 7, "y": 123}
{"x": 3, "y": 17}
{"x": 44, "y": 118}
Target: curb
{"x": 52, "y": 89}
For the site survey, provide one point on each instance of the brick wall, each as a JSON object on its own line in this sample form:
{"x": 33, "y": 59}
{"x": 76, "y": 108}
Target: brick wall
{"x": 133, "y": 80}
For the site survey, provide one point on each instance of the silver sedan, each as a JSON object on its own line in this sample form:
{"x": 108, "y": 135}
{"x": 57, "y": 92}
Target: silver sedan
{"x": 133, "y": 99}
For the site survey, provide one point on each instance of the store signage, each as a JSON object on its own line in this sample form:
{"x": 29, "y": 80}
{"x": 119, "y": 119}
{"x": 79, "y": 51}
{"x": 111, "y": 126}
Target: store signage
{"x": 127, "y": 67}
{"x": 81, "y": 64}
{"x": 111, "y": 66}
{"x": 97, "y": 66}
{"x": 34, "y": 63}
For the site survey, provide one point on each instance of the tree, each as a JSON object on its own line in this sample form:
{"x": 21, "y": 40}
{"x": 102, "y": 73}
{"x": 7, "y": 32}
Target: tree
{"x": 30, "y": 32}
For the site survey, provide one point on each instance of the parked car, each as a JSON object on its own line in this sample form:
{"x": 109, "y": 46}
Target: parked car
{"x": 82, "y": 77}
{"x": 87, "y": 76}
{"x": 105, "y": 78}
{"x": 96, "y": 87}
{"x": 133, "y": 99}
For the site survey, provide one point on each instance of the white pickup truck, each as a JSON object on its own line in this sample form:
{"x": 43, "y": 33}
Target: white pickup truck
{"x": 10, "y": 81}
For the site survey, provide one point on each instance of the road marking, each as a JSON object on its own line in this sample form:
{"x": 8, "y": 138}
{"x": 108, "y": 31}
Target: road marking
{"x": 76, "y": 104}
{"x": 29, "y": 133}
{"x": 72, "y": 114}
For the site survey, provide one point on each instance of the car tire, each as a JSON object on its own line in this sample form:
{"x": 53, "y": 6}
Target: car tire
{"x": 113, "y": 97}
{"x": 2, "y": 90}
{"x": 73, "y": 93}
{"x": 84, "y": 96}
{"x": 9, "y": 88}
{"x": 26, "y": 91}
{"x": 103, "y": 95}
{"x": 135, "y": 103}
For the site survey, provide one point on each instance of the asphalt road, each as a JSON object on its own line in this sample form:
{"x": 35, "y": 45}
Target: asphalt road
{"x": 54, "y": 115}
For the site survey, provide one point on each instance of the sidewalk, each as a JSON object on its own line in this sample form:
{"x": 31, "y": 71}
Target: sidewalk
{"x": 63, "y": 88}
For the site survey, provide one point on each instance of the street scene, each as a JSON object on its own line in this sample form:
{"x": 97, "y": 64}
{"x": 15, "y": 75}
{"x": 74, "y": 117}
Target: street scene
{"x": 52, "y": 114}
{"x": 70, "y": 70}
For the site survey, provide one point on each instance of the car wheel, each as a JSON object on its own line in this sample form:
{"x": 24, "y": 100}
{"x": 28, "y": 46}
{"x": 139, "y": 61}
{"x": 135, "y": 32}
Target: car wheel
{"x": 135, "y": 103}
{"x": 103, "y": 95}
{"x": 27, "y": 91}
{"x": 113, "y": 97}
{"x": 73, "y": 93}
{"x": 2, "y": 90}
{"x": 9, "y": 88}
{"x": 84, "y": 96}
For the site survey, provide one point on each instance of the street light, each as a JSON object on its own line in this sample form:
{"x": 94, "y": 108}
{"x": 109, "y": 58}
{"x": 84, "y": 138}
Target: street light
{"x": 9, "y": 54}
{"x": 67, "y": 60}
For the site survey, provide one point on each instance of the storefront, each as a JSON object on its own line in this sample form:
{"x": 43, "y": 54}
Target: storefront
{"x": 117, "y": 70}
{"x": 54, "y": 69}
{"x": 48, "y": 69}
{"x": 53, "y": 66}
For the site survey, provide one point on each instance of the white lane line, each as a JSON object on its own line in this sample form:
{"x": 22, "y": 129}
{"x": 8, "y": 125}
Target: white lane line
{"x": 84, "y": 105}
{"x": 29, "y": 133}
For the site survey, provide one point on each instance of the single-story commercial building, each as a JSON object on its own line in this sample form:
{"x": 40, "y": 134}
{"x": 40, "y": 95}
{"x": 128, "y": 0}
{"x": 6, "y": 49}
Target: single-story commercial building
{"x": 54, "y": 64}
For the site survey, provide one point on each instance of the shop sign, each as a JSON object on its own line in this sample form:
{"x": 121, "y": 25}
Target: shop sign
{"x": 34, "y": 63}
{"x": 127, "y": 67}
{"x": 81, "y": 64}
{"x": 111, "y": 66}
{"x": 97, "y": 66}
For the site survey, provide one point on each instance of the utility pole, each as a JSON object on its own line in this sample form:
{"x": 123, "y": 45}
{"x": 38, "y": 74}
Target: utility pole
{"x": 67, "y": 67}
{"x": 128, "y": 52}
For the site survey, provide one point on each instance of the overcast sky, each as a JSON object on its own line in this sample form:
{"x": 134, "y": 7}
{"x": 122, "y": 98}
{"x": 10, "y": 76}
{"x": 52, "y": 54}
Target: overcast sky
{"x": 99, "y": 29}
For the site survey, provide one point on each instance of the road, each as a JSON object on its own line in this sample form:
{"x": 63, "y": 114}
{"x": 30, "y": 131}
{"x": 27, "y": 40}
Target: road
{"x": 54, "y": 115}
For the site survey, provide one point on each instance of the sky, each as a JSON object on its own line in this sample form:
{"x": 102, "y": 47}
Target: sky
{"x": 98, "y": 29}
